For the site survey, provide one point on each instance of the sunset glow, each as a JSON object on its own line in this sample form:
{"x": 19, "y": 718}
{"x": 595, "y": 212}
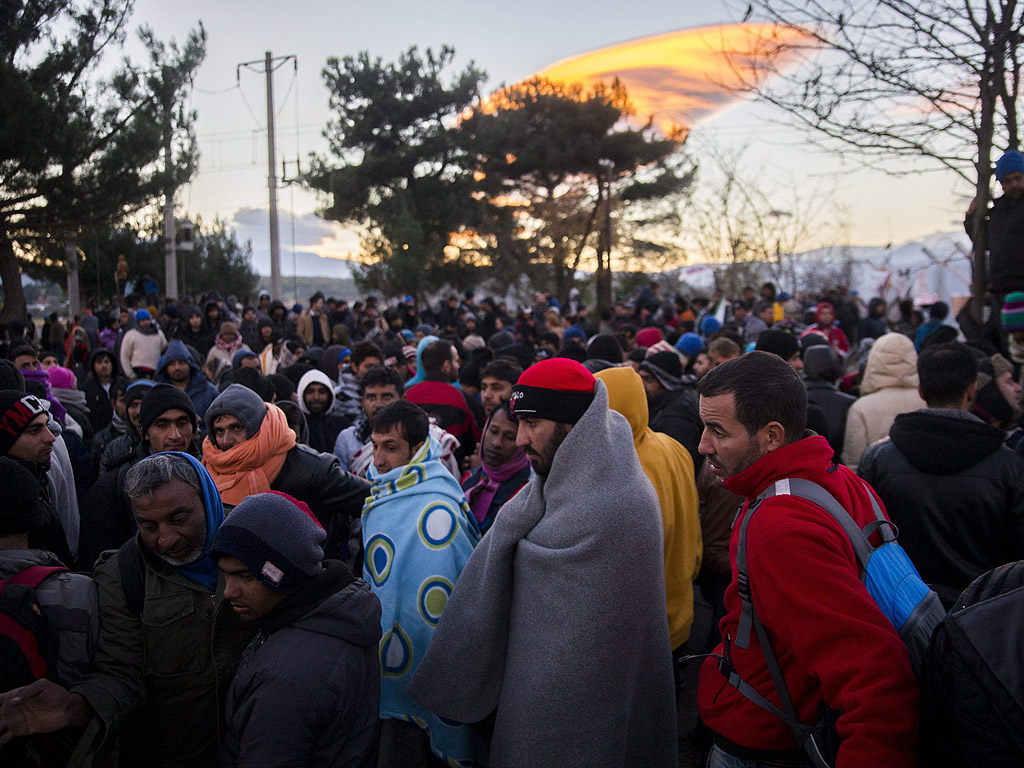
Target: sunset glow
{"x": 686, "y": 77}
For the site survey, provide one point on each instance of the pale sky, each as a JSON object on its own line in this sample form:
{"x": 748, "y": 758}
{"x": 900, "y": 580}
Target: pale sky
{"x": 510, "y": 42}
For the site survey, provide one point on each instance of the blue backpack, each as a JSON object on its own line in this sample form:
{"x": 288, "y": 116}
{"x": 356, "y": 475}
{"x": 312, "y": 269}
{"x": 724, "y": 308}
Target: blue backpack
{"x": 892, "y": 581}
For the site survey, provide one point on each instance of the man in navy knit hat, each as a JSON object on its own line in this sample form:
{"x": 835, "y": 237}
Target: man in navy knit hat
{"x": 308, "y": 687}
{"x": 1004, "y": 230}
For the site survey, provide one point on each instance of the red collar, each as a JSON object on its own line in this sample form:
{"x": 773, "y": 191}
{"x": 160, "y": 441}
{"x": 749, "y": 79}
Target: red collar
{"x": 805, "y": 458}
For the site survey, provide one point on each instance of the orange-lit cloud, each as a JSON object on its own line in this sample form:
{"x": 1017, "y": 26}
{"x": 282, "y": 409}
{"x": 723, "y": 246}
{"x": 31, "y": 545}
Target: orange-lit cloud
{"x": 686, "y": 77}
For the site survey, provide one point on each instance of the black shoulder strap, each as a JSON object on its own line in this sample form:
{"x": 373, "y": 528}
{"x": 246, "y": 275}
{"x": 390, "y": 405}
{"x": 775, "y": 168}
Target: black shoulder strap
{"x": 132, "y": 570}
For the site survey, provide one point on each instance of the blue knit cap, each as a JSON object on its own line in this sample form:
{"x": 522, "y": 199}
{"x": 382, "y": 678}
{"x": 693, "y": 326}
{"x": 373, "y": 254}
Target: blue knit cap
{"x": 690, "y": 344}
{"x": 1012, "y": 161}
{"x": 143, "y": 314}
{"x": 280, "y": 542}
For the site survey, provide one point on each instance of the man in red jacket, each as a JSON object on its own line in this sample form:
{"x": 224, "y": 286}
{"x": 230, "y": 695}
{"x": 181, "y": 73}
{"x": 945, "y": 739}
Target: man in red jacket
{"x": 833, "y": 644}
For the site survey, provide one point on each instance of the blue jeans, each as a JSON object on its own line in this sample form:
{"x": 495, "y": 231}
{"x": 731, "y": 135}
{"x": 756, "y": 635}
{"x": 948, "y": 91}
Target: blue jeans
{"x": 721, "y": 759}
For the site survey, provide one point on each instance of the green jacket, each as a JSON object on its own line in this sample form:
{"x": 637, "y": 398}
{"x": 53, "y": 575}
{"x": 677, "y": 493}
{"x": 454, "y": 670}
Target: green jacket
{"x": 159, "y": 680}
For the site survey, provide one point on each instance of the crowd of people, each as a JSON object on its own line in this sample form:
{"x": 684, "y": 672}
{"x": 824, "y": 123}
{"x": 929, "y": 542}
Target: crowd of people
{"x": 474, "y": 533}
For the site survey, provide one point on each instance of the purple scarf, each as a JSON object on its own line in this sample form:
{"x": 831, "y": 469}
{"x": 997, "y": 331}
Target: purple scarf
{"x": 481, "y": 495}
{"x": 43, "y": 378}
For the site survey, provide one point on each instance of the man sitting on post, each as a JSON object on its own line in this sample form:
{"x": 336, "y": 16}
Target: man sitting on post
{"x": 834, "y": 646}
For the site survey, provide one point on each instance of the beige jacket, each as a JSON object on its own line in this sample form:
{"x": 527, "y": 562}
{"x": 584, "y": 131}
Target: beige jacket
{"x": 889, "y": 388}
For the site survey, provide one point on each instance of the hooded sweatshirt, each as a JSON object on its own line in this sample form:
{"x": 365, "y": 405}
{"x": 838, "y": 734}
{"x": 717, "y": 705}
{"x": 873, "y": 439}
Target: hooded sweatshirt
{"x": 199, "y": 390}
{"x": 325, "y": 427}
{"x": 888, "y": 388}
{"x": 670, "y": 469}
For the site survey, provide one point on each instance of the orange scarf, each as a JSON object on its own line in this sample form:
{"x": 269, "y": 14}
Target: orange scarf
{"x": 250, "y": 467}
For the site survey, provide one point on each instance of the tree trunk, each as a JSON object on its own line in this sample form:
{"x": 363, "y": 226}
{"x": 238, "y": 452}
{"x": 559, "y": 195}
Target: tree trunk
{"x": 14, "y": 307}
{"x": 979, "y": 264}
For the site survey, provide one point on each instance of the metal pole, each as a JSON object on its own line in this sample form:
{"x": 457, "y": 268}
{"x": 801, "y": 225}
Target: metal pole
{"x": 275, "y": 246}
{"x": 170, "y": 255}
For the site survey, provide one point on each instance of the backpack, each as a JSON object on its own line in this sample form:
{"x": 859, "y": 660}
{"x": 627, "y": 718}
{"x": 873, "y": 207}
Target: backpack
{"x": 891, "y": 579}
{"x": 24, "y": 631}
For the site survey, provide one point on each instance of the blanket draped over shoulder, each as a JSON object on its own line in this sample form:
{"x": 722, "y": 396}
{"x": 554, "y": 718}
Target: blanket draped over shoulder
{"x": 418, "y": 535}
{"x": 558, "y": 621}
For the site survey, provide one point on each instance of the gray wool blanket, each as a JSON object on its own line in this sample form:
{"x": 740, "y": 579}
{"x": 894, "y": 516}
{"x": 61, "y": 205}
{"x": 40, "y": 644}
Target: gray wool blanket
{"x": 558, "y": 620}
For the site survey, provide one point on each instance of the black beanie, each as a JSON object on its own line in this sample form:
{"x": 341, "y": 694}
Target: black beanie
{"x": 781, "y": 343}
{"x": 604, "y": 346}
{"x": 17, "y": 411}
{"x": 163, "y": 398}
{"x": 22, "y": 512}
{"x": 277, "y": 537}
{"x": 11, "y": 377}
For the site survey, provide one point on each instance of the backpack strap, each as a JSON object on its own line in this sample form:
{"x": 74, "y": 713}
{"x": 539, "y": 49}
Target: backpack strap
{"x": 32, "y": 576}
{"x": 132, "y": 571}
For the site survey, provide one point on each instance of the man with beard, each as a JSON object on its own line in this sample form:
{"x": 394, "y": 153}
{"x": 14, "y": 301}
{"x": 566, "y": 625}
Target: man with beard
{"x": 169, "y": 642}
{"x": 167, "y": 422}
{"x": 575, "y": 558}
{"x": 833, "y": 645}
{"x": 178, "y": 367}
{"x": 316, "y": 400}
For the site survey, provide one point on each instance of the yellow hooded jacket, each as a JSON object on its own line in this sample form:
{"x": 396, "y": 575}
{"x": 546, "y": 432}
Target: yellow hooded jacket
{"x": 670, "y": 469}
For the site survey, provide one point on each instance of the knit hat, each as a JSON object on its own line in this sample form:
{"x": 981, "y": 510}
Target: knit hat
{"x": 162, "y": 398}
{"x": 61, "y": 378}
{"x": 1012, "y": 161}
{"x": 11, "y": 376}
{"x": 240, "y": 402}
{"x": 251, "y": 378}
{"x": 142, "y": 314}
{"x": 666, "y": 368}
{"x": 137, "y": 390}
{"x": 558, "y": 389}
{"x": 648, "y": 337}
{"x": 781, "y": 343}
{"x": 504, "y": 339}
{"x": 21, "y": 512}
{"x": 710, "y": 325}
{"x": 17, "y": 410}
{"x": 1013, "y": 312}
{"x": 604, "y": 346}
{"x": 690, "y": 344}
{"x": 276, "y": 537}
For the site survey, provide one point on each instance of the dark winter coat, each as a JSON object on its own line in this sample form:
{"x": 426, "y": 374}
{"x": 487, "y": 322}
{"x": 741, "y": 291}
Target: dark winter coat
{"x": 676, "y": 415}
{"x": 96, "y": 397}
{"x": 199, "y": 389}
{"x": 1005, "y": 245}
{"x": 307, "y": 691}
{"x": 955, "y": 492}
{"x": 972, "y": 690}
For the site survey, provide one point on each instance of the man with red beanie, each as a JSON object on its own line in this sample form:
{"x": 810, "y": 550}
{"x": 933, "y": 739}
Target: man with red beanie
{"x": 557, "y": 624}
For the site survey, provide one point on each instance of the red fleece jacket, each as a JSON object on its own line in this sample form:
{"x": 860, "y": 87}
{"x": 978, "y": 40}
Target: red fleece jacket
{"x": 830, "y": 638}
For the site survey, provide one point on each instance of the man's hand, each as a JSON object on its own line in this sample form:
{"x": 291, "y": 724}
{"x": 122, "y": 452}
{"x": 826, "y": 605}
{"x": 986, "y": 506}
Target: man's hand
{"x": 42, "y": 707}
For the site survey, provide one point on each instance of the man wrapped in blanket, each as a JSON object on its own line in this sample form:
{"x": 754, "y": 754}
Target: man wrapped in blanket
{"x": 418, "y": 534}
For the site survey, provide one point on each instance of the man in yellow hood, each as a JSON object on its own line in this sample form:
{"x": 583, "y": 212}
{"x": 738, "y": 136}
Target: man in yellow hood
{"x": 670, "y": 469}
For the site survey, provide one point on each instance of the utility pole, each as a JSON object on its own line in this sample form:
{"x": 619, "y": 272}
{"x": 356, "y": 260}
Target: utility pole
{"x": 269, "y": 64}
{"x": 170, "y": 188}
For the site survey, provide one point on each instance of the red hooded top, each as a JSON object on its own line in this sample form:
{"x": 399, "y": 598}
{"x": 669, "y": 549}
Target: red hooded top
{"x": 830, "y": 638}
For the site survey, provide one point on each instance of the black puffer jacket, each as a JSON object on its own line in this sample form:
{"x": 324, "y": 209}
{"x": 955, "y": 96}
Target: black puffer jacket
{"x": 822, "y": 369}
{"x": 955, "y": 492}
{"x": 334, "y": 496}
{"x": 972, "y": 685}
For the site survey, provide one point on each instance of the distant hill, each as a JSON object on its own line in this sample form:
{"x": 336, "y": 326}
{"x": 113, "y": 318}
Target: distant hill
{"x": 339, "y": 288}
